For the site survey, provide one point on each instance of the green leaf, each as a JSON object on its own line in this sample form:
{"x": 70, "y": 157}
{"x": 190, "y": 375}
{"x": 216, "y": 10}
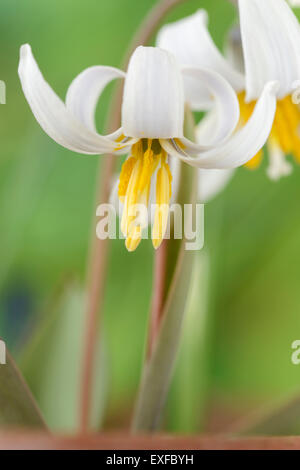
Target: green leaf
{"x": 17, "y": 405}
{"x": 186, "y": 409}
{"x": 53, "y": 364}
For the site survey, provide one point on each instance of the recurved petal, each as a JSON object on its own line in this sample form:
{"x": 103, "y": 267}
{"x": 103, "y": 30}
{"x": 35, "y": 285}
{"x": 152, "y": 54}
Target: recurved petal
{"x": 153, "y": 102}
{"x": 189, "y": 40}
{"x": 52, "y": 114}
{"x": 226, "y": 106}
{"x": 85, "y": 90}
{"x": 242, "y": 145}
{"x": 271, "y": 37}
{"x": 205, "y": 130}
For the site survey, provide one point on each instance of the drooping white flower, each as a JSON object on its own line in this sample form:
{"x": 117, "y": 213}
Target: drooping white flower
{"x": 210, "y": 182}
{"x": 151, "y": 130}
{"x": 270, "y": 36}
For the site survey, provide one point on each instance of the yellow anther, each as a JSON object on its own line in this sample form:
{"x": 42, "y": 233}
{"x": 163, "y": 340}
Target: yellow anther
{"x": 147, "y": 170}
{"x": 131, "y": 198}
{"x": 254, "y": 163}
{"x": 170, "y": 180}
{"x": 134, "y": 190}
{"x": 125, "y": 175}
{"x": 286, "y": 127}
{"x": 291, "y": 111}
{"x": 282, "y": 130}
{"x": 291, "y": 114}
{"x": 246, "y": 109}
{"x": 134, "y": 238}
{"x": 163, "y": 195}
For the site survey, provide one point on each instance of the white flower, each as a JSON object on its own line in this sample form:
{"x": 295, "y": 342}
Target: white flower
{"x": 294, "y": 3}
{"x": 210, "y": 182}
{"x": 270, "y": 35}
{"x": 152, "y": 126}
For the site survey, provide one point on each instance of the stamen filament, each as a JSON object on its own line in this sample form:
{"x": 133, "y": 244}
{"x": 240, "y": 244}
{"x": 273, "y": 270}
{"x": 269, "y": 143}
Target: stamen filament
{"x": 163, "y": 195}
{"x": 134, "y": 191}
{"x": 285, "y": 131}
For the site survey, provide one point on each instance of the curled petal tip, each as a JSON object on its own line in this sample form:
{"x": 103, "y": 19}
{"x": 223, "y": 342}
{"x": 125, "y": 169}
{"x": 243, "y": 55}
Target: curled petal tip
{"x": 272, "y": 87}
{"x": 24, "y": 49}
{"x": 51, "y": 113}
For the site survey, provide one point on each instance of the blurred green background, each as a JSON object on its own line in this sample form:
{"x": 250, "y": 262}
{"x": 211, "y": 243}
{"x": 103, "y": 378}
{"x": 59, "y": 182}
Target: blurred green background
{"x": 236, "y": 353}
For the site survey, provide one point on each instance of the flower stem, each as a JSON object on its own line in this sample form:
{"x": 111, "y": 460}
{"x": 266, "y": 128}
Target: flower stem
{"x": 99, "y": 251}
{"x": 171, "y": 298}
{"x": 159, "y": 277}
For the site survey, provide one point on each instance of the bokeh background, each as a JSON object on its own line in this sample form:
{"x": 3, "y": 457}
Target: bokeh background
{"x": 236, "y": 352}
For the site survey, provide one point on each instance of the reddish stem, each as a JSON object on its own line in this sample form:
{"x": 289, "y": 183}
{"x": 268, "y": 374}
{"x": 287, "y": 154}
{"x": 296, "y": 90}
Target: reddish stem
{"x": 159, "y": 277}
{"x": 99, "y": 252}
{"x": 96, "y": 284}
{"x": 16, "y": 439}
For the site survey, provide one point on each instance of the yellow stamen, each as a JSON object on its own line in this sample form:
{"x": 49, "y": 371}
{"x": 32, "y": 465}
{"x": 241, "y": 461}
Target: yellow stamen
{"x": 281, "y": 130}
{"x": 246, "y": 110}
{"x": 291, "y": 114}
{"x": 134, "y": 191}
{"x": 285, "y": 131}
{"x": 125, "y": 175}
{"x": 147, "y": 170}
{"x": 255, "y": 162}
{"x": 163, "y": 195}
{"x": 134, "y": 238}
{"x": 131, "y": 198}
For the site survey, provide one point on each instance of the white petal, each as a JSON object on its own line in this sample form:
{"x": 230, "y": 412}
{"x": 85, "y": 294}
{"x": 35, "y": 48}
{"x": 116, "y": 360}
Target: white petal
{"x": 52, "y": 114}
{"x": 234, "y": 49}
{"x": 278, "y": 164}
{"x": 225, "y": 101}
{"x": 192, "y": 45}
{"x": 85, "y": 90}
{"x": 271, "y": 38}
{"x": 153, "y": 102}
{"x": 206, "y": 129}
{"x": 244, "y": 143}
{"x": 212, "y": 182}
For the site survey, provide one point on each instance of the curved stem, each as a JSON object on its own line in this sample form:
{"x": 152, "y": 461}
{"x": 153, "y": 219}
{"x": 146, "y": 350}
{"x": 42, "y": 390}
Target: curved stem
{"x": 159, "y": 278}
{"x": 171, "y": 300}
{"x": 99, "y": 251}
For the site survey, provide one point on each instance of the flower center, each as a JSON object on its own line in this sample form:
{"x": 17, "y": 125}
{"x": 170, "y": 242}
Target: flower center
{"x": 285, "y": 130}
{"x": 134, "y": 190}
